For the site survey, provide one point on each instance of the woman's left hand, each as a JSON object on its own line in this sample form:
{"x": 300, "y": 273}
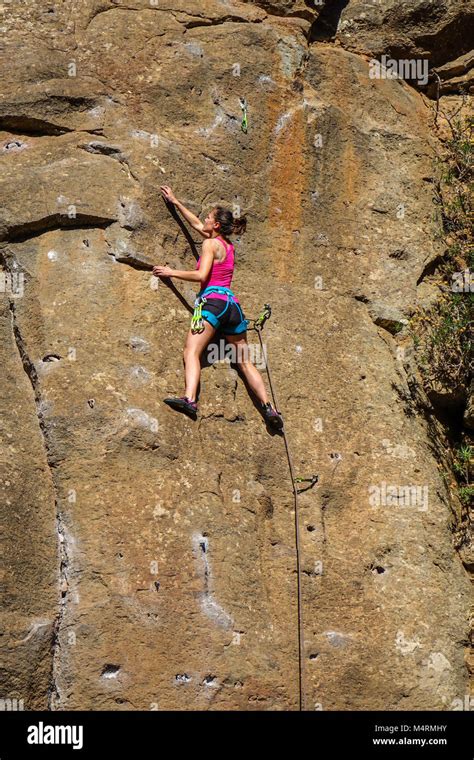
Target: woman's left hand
{"x": 160, "y": 271}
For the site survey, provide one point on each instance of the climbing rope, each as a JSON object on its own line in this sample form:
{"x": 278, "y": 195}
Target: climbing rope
{"x": 258, "y": 325}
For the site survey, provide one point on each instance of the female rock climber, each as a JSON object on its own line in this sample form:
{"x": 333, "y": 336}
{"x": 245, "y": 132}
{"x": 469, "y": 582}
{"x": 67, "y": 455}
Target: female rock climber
{"x": 221, "y": 310}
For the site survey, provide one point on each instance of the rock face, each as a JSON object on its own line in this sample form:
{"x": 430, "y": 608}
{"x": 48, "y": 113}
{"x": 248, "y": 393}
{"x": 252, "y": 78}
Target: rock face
{"x": 419, "y": 28}
{"x": 150, "y": 560}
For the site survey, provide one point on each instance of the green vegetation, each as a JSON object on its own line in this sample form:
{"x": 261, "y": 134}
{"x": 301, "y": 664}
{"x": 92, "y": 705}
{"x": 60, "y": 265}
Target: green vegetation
{"x": 442, "y": 333}
{"x": 463, "y": 461}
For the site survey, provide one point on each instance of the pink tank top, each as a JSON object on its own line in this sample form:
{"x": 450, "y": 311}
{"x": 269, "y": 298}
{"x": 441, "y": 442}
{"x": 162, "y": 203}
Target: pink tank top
{"x": 221, "y": 271}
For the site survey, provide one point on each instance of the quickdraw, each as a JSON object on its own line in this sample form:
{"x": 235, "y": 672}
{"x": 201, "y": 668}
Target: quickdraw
{"x": 312, "y": 482}
{"x": 243, "y": 105}
{"x": 197, "y": 321}
{"x": 262, "y": 318}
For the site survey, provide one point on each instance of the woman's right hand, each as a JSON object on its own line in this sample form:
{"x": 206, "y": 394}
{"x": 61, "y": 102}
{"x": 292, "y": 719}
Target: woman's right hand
{"x": 168, "y": 194}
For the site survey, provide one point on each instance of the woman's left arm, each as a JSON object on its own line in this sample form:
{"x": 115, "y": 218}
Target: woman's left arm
{"x": 198, "y": 275}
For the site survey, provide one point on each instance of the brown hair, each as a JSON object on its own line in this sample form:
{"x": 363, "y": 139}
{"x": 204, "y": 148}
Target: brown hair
{"x": 229, "y": 224}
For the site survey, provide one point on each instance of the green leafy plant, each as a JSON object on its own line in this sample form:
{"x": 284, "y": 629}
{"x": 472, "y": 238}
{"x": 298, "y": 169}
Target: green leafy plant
{"x": 463, "y": 460}
{"x": 442, "y": 333}
{"x": 466, "y": 494}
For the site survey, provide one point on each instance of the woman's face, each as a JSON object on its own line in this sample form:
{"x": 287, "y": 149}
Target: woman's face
{"x": 210, "y": 222}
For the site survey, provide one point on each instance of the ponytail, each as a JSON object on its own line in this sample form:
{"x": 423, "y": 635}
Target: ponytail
{"x": 229, "y": 224}
{"x": 239, "y": 225}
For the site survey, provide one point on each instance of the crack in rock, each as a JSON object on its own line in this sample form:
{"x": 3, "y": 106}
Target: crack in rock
{"x": 22, "y": 232}
{"x": 63, "y": 548}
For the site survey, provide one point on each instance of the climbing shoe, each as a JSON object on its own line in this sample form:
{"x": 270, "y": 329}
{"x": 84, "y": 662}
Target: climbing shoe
{"x": 271, "y": 416}
{"x": 183, "y": 404}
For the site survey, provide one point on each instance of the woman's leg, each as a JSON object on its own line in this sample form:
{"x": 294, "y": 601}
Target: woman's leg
{"x": 195, "y": 345}
{"x": 249, "y": 370}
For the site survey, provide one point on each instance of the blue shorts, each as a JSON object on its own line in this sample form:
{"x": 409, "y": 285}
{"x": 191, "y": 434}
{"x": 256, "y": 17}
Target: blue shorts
{"x": 226, "y": 316}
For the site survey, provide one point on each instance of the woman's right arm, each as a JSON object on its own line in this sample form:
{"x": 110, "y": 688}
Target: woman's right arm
{"x": 191, "y": 218}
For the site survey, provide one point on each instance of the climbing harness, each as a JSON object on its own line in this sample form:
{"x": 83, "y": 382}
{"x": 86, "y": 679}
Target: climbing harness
{"x": 258, "y": 324}
{"x": 197, "y": 320}
{"x": 244, "y": 124}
